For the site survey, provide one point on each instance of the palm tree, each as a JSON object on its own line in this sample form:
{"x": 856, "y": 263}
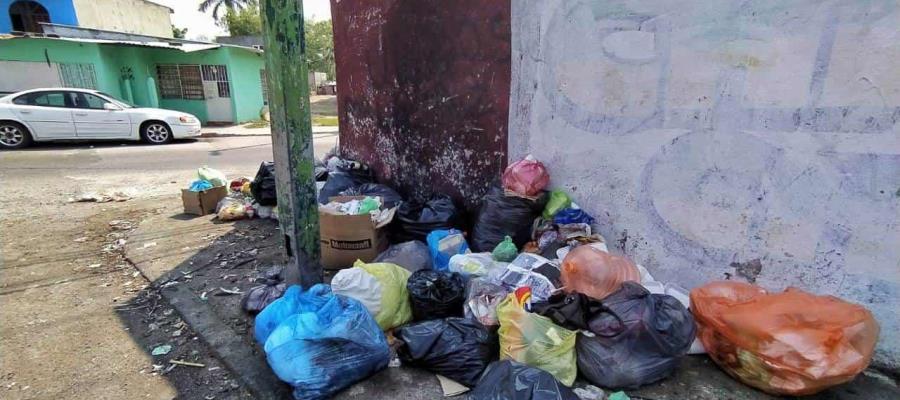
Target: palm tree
{"x": 229, "y": 4}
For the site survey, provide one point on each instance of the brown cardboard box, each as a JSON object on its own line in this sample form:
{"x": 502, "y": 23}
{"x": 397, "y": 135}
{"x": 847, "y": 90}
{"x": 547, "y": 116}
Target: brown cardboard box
{"x": 347, "y": 238}
{"x": 202, "y": 203}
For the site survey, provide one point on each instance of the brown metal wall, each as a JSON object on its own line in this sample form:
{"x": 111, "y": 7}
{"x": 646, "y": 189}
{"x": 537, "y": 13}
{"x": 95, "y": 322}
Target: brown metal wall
{"x": 423, "y": 91}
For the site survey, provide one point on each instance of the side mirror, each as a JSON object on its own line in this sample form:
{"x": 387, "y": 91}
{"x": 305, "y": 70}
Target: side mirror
{"x": 111, "y": 107}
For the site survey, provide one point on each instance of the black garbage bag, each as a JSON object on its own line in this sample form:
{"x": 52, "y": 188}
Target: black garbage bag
{"x": 258, "y": 297}
{"x": 436, "y": 294}
{"x": 412, "y": 255}
{"x": 501, "y": 215}
{"x": 509, "y": 380}
{"x": 573, "y": 311}
{"x": 457, "y": 348}
{"x": 389, "y": 197}
{"x": 415, "y": 220}
{"x": 346, "y": 174}
{"x": 635, "y": 337}
{"x": 272, "y": 288}
{"x": 263, "y": 185}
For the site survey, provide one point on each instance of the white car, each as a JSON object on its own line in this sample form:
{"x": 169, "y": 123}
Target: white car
{"x": 74, "y": 114}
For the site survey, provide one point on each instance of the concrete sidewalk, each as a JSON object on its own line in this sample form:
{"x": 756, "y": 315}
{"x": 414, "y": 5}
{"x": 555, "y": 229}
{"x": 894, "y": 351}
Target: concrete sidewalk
{"x": 192, "y": 257}
{"x": 241, "y": 130}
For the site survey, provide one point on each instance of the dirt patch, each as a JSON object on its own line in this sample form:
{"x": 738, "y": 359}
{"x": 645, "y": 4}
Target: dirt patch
{"x": 749, "y": 270}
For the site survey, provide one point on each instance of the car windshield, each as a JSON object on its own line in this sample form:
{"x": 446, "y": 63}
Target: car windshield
{"x": 120, "y": 103}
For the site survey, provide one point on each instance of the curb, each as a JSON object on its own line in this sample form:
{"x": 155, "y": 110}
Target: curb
{"x": 226, "y": 345}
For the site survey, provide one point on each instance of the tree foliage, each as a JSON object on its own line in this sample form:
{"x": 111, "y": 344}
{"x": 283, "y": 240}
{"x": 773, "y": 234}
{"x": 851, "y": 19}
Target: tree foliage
{"x": 319, "y": 47}
{"x": 217, "y": 5}
{"x": 179, "y": 33}
{"x": 245, "y": 21}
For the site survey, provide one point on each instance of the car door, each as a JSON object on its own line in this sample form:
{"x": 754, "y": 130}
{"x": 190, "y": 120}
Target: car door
{"x": 47, "y": 114}
{"x": 92, "y": 120}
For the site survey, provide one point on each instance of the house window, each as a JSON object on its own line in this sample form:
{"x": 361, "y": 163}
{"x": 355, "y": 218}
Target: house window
{"x": 78, "y": 75}
{"x": 264, "y": 81}
{"x": 180, "y": 82}
{"x": 26, "y": 16}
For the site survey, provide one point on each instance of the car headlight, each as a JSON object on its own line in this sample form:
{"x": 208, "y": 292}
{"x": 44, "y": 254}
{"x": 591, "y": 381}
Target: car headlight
{"x": 186, "y": 119}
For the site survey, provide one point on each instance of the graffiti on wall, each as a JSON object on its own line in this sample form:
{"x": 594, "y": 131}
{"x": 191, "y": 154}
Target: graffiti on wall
{"x": 755, "y": 141}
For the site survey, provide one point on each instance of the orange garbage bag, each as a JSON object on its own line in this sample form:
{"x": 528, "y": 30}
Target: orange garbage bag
{"x": 596, "y": 273}
{"x": 789, "y": 343}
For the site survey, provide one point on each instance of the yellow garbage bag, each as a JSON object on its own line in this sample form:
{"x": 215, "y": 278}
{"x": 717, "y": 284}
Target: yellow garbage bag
{"x": 535, "y": 340}
{"x": 392, "y": 308}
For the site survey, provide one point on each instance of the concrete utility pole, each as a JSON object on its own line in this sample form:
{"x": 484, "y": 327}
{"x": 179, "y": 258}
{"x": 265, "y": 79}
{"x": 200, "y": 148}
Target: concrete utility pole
{"x": 292, "y": 140}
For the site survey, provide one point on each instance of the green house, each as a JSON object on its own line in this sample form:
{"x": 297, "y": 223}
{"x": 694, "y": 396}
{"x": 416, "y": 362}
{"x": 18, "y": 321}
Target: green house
{"x": 217, "y": 83}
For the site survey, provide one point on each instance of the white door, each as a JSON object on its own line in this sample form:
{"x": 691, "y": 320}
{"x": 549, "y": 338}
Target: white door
{"x": 92, "y": 120}
{"x": 48, "y": 114}
{"x": 217, "y": 92}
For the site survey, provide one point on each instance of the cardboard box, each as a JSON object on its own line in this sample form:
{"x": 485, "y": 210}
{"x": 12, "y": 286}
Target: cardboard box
{"x": 202, "y": 203}
{"x": 347, "y": 238}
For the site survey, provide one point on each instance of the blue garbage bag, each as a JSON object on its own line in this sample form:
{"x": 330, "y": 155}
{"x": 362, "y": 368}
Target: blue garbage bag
{"x": 326, "y": 343}
{"x": 200, "y": 185}
{"x": 572, "y": 216}
{"x": 443, "y": 244}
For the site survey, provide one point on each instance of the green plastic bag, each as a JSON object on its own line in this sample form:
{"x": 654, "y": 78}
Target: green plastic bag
{"x": 558, "y": 201}
{"x": 214, "y": 176}
{"x": 535, "y": 340}
{"x": 368, "y": 204}
{"x": 505, "y": 251}
{"x": 395, "y": 308}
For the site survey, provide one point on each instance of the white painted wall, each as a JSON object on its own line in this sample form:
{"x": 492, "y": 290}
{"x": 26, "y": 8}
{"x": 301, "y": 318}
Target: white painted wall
{"x": 22, "y": 75}
{"x": 707, "y": 135}
{"x": 131, "y": 16}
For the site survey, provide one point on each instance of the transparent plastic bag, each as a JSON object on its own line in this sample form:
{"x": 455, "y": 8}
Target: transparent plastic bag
{"x": 596, "y": 273}
{"x": 478, "y": 264}
{"x": 214, "y": 176}
{"x": 535, "y": 340}
{"x": 789, "y": 343}
{"x": 482, "y": 299}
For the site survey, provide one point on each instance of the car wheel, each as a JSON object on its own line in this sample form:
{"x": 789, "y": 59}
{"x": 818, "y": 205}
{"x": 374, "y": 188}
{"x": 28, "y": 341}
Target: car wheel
{"x": 156, "y": 133}
{"x": 14, "y": 136}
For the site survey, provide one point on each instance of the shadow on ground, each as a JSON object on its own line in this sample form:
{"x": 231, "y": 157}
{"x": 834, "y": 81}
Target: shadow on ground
{"x": 80, "y": 144}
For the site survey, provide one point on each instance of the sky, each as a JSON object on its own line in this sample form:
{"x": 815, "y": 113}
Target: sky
{"x": 202, "y": 26}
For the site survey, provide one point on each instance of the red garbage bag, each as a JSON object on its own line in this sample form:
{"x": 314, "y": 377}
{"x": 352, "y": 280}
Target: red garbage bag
{"x": 595, "y": 272}
{"x": 789, "y": 343}
{"x": 527, "y": 177}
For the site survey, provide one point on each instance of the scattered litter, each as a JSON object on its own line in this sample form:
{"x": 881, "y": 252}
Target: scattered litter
{"x": 149, "y": 244}
{"x": 203, "y": 296}
{"x": 100, "y": 197}
{"x": 234, "y": 291}
{"x": 161, "y": 350}
{"x": 450, "y": 387}
{"x": 618, "y": 396}
{"x": 394, "y": 363}
{"x": 92, "y": 266}
{"x": 81, "y": 239}
{"x": 187, "y": 364}
{"x": 590, "y": 392}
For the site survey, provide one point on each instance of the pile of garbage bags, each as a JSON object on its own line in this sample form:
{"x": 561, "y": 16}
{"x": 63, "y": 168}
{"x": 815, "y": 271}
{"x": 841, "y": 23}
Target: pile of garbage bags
{"x": 319, "y": 342}
{"x": 529, "y": 298}
{"x": 246, "y": 198}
